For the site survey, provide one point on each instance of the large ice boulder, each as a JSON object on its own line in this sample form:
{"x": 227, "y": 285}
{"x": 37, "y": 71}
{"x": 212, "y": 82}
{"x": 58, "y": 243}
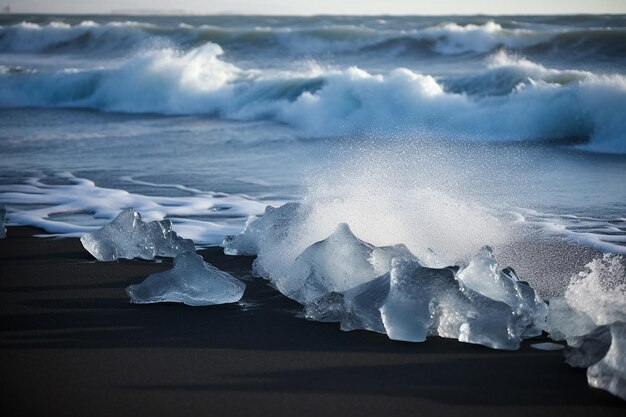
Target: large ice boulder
{"x": 129, "y": 237}
{"x": 3, "y": 214}
{"x": 191, "y": 281}
{"x": 434, "y": 301}
{"x": 336, "y": 264}
{"x": 411, "y": 302}
{"x": 271, "y": 227}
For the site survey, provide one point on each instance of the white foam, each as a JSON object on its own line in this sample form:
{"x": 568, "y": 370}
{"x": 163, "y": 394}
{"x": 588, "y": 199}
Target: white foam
{"x": 199, "y": 217}
{"x": 452, "y": 38}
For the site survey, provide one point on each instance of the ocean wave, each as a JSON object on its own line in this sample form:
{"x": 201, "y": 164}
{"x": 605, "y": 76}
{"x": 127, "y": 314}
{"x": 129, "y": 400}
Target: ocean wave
{"x": 511, "y": 99}
{"x": 63, "y": 37}
{"x": 506, "y": 72}
{"x": 445, "y": 38}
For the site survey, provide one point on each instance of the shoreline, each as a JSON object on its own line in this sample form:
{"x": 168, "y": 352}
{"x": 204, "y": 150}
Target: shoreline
{"x": 73, "y": 344}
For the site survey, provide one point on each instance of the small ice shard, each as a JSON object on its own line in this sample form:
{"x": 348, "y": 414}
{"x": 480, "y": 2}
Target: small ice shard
{"x": 271, "y": 227}
{"x": 584, "y": 351}
{"x": 3, "y": 215}
{"x": 336, "y": 264}
{"x": 128, "y": 237}
{"x": 191, "y": 281}
{"x": 610, "y": 372}
{"x": 328, "y": 308}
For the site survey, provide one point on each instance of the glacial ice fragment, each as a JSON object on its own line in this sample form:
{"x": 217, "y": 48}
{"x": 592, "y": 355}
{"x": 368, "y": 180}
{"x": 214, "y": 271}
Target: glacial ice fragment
{"x": 409, "y": 310}
{"x": 328, "y": 308}
{"x": 584, "y": 351}
{"x": 191, "y": 281}
{"x": 431, "y": 301}
{"x": 410, "y": 301}
{"x": 336, "y": 264}
{"x": 271, "y": 227}
{"x": 483, "y": 276}
{"x": 610, "y": 372}
{"x": 591, "y": 317}
{"x": 128, "y": 237}
{"x": 3, "y": 214}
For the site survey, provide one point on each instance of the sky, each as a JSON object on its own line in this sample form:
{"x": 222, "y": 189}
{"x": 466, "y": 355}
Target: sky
{"x": 307, "y": 7}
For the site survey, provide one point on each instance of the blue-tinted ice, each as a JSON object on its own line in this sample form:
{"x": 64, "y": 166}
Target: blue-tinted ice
{"x": 591, "y": 318}
{"x": 129, "y": 237}
{"x": 271, "y": 227}
{"x": 412, "y": 302}
{"x": 191, "y": 281}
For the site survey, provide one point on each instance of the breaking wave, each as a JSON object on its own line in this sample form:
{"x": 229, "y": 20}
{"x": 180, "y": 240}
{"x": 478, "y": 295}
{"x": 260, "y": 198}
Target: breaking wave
{"x": 511, "y": 99}
{"x": 444, "y": 38}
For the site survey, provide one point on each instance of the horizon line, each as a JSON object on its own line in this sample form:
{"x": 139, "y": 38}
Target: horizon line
{"x": 185, "y": 13}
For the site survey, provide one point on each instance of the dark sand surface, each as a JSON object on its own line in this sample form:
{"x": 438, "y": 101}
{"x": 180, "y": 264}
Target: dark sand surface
{"x": 72, "y": 345}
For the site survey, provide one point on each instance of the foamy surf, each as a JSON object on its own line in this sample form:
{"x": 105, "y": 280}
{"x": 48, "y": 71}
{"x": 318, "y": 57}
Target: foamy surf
{"x": 512, "y": 99}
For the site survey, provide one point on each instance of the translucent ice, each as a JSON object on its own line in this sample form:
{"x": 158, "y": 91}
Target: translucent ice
{"x": 191, "y": 281}
{"x": 584, "y": 351}
{"x": 411, "y": 302}
{"x": 336, "y": 264}
{"x": 610, "y": 372}
{"x": 483, "y": 276}
{"x": 3, "y": 214}
{"x": 128, "y": 237}
{"x": 591, "y": 317}
{"x": 595, "y": 297}
{"x": 271, "y": 227}
{"x": 430, "y": 301}
{"x": 415, "y": 292}
{"x": 357, "y": 308}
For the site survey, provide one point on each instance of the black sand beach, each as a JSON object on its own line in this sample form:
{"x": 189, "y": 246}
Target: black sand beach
{"x": 72, "y": 345}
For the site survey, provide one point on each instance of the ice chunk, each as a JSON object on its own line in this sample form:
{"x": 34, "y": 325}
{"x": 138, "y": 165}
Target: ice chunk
{"x": 271, "y": 227}
{"x": 610, "y": 372}
{"x": 128, "y": 237}
{"x": 566, "y": 323}
{"x": 483, "y": 276}
{"x": 336, "y": 264}
{"x": 411, "y": 302}
{"x": 430, "y": 301}
{"x": 595, "y": 297}
{"x": 409, "y": 310}
{"x": 356, "y": 309}
{"x": 400, "y": 297}
{"x": 584, "y": 351}
{"x": 3, "y": 214}
{"x": 600, "y": 290}
{"x": 328, "y": 308}
{"x": 191, "y": 281}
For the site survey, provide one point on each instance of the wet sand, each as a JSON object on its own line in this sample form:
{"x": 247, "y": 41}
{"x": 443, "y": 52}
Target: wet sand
{"x": 72, "y": 345}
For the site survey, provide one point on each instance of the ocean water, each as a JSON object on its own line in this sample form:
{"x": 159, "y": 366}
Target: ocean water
{"x": 445, "y": 133}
